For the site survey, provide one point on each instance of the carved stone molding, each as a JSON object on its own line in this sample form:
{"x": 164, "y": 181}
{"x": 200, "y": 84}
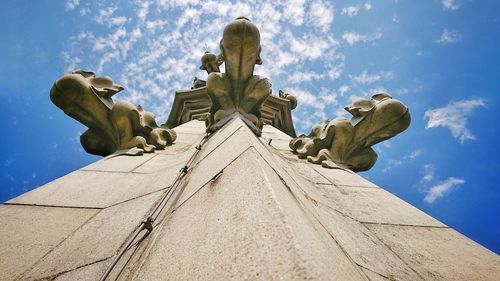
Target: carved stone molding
{"x": 112, "y": 126}
{"x": 347, "y": 143}
{"x": 195, "y": 104}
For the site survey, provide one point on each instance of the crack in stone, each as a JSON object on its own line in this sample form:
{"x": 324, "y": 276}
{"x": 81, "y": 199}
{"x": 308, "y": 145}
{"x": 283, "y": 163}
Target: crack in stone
{"x": 55, "y": 247}
{"x": 52, "y": 206}
{"x": 54, "y": 276}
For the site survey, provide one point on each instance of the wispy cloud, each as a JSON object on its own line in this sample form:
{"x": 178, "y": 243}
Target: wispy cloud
{"x": 321, "y": 15}
{"x": 153, "y": 48}
{"x": 454, "y": 117}
{"x": 428, "y": 173}
{"x": 352, "y": 37}
{"x": 392, "y": 163}
{"x": 449, "y": 36}
{"x": 449, "y": 5}
{"x": 368, "y": 78}
{"x": 439, "y": 190}
{"x": 352, "y": 11}
{"x": 71, "y": 5}
{"x": 294, "y": 11}
{"x": 299, "y": 77}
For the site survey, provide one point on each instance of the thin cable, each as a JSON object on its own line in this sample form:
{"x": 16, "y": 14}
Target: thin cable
{"x": 154, "y": 212}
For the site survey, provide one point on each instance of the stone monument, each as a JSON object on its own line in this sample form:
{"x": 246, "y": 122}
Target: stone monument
{"x": 225, "y": 190}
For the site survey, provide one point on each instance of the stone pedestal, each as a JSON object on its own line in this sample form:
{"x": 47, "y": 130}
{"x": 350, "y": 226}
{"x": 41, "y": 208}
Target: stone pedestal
{"x": 247, "y": 209}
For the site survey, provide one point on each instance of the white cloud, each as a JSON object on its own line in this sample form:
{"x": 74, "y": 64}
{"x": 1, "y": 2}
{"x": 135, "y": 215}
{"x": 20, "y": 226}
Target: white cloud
{"x": 454, "y": 117}
{"x": 299, "y": 77}
{"x": 369, "y": 78}
{"x": 294, "y": 11}
{"x": 321, "y": 15}
{"x": 303, "y": 49}
{"x": 350, "y": 11}
{"x": 439, "y": 190}
{"x": 305, "y": 98}
{"x": 70, "y": 62}
{"x": 353, "y": 37}
{"x": 449, "y": 36}
{"x": 392, "y": 163}
{"x": 395, "y": 18}
{"x": 449, "y": 5}
{"x": 343, "y": 89}
{"x": 154, "y": 48}
{"x": 327, "y": 96}
{"x": 71, "y": 5}
{"x": 428, "y": 173}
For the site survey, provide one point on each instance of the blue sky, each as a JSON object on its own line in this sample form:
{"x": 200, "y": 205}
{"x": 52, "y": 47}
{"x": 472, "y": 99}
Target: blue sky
{"x": 440, "y": 57}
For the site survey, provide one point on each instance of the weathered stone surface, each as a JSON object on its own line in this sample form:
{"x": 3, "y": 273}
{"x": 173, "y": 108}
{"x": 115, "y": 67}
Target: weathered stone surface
{"x": 98, "y": 239}
{"x": 373, "y": 205}
{"x": 163, "y": 164}
{"x": 186, "y": 138}
{"x": 373, "y": 276}
{"x": 216, "y": 161}
{"x": 278, "y": 139}
{"x": 119, "y": 163}
{"x": 90, "y": 272}
{"x": 245, "y": 210}
{"x": 439, "y": 253}
{"x": 363, "y": 246}
{"x": 245, "y": 227}
{"x": 347, "y": 143}
{"x": 343, "y": 177}
{"x": 29, "y": 233}
{"x": 112, "y": 126}
{"x": 102, "y": 189}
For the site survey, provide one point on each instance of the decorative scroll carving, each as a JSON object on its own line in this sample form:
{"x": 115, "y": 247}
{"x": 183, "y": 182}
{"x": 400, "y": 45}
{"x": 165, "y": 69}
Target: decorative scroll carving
{"x": 347, "y": 143}
{"x": 238, "y": 90}
{"x": 112, "y": 126}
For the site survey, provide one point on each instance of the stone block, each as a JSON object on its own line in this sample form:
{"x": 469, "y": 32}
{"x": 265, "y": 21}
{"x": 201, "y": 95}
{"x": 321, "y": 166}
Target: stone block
{"x": 211, "y": 163}
{"x": 439, "y": 253}
{"x": 220, "y": 137}
{"x": 98, "y": 239}
{"x": 190, "y": 129}
{"x": 192, "y": 124}
{"x": 188, "y": 138}
{"x": 273, "y": 133}
{"x": 373, "y": 205}
{"x": 363, "y": 246}
{"x": 343, "y": 177}
{"x": 119, "y": 163}
{"x": 175, "y": 149}
{"x": 89, "y": 272}
{"x": 163, "y": 163}
{"x": 245, "y": 227}
{"x": 28, "y": 233}
{"x": 93, "y": 189}
{"x": 277, "y": 143}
